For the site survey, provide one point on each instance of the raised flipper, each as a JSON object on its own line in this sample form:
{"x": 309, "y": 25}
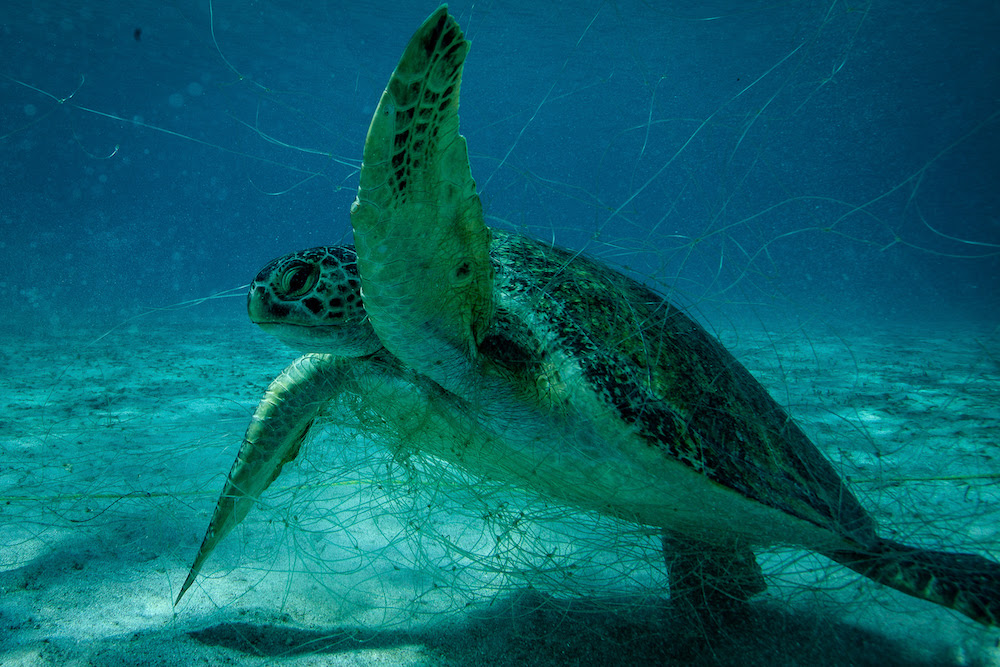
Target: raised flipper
{"x": 964, "y": 582}
{"x": 276, "y": 431}
{"x": 423, "y": 247}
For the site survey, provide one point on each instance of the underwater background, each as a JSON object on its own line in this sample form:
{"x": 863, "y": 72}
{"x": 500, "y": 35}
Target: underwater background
{"x": 817, "y": 182}
{"x": 840, "y": 155}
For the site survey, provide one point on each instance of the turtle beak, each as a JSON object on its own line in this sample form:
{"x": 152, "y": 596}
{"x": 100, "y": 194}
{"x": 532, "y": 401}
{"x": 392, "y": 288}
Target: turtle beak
{"x": 257, "y": 303}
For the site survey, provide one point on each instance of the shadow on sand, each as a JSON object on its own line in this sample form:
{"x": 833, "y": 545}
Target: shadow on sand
{"x": 528, "y": 629}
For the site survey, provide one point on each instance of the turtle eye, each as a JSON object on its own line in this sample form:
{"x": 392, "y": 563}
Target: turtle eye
{"x": 297, "y": 280}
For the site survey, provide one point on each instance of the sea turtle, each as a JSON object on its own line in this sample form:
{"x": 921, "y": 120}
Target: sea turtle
{"x": 535, "y": 366}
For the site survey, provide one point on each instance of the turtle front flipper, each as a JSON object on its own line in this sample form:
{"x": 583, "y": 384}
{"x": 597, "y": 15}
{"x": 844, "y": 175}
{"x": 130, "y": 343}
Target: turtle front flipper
{"x": 423, "y": 247}
{"x": 277, "y": 428}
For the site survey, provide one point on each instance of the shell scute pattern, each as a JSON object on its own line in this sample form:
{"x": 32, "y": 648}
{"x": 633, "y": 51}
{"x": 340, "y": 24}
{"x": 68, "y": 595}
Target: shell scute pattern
{"x": 664, "y": 376}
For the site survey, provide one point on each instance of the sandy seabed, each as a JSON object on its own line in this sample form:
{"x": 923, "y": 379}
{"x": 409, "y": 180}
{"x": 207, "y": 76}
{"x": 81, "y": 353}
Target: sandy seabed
{"x": 113, "y": 452}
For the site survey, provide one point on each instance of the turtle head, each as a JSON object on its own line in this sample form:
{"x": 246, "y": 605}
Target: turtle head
{"x": 311, "y": 300}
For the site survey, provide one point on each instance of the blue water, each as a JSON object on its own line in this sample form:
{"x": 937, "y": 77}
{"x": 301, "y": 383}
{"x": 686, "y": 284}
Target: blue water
{"x": 826, "y": 164}
{"x": 630, "y": 130}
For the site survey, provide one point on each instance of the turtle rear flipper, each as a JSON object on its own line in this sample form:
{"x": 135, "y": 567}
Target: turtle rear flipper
{"x": 966, "y": 583}
{"x": 710, "y": 584}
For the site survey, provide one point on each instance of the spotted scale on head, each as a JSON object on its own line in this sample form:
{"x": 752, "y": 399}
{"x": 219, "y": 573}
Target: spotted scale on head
{"x": 312, "y": 300}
